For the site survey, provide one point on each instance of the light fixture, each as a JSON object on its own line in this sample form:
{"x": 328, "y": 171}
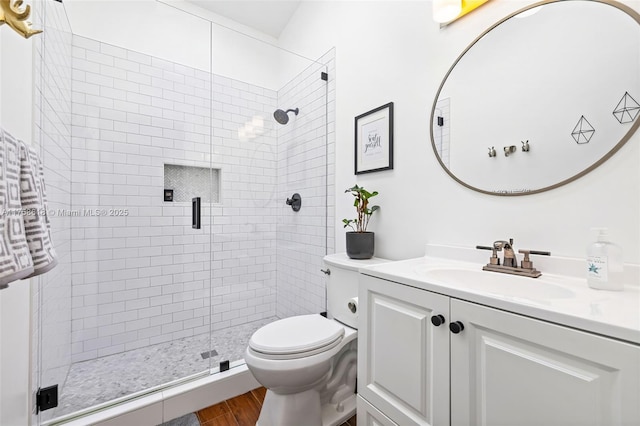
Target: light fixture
{"x": 446, "y": 10}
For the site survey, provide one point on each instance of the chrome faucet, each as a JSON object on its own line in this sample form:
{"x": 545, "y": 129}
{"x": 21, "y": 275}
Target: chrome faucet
{"x": 510, "y": 261}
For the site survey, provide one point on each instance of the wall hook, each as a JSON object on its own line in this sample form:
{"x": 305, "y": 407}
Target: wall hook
{"x": 492, "y": 152}
{"x": 509, "y": 150}
{"x": 525, "y": 145}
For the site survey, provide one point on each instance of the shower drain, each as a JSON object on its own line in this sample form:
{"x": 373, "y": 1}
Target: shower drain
{"x": 209, "y": 354}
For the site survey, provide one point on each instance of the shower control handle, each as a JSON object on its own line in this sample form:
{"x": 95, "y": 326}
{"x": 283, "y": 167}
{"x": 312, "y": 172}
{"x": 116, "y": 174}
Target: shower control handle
{"x": 295, "y": 202}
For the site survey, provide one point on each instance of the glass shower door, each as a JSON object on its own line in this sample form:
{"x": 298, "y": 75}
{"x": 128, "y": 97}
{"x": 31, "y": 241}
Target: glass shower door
{"x": 125, "y": 139}
{"x": 151, "y": 289}
{"x": 266, "y": 257}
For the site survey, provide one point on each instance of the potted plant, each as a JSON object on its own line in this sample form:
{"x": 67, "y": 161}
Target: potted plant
{"x": 360, "y": 243}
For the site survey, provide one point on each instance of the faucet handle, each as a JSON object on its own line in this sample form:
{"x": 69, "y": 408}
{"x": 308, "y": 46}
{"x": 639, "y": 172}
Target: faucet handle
{"x": 526, "y": 262}
{"x": 494, "y": 259}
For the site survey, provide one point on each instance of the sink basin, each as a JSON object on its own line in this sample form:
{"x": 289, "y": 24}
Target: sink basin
{"x": 504, "y": 285}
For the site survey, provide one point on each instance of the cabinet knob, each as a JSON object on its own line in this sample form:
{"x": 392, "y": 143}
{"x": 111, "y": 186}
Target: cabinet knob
{"x": 437, "y": 320}
{"x": 456, "y": 327}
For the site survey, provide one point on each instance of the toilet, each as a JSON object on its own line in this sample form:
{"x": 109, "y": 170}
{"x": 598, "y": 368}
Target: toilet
{"x": 307, "y": 363}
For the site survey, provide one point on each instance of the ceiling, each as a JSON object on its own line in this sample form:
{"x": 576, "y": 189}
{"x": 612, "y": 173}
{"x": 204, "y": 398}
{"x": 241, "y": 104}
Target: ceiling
{"x": 267, "y": 16}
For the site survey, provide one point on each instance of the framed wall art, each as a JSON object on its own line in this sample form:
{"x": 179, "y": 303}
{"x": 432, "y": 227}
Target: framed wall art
{"x": 374, "y": 140}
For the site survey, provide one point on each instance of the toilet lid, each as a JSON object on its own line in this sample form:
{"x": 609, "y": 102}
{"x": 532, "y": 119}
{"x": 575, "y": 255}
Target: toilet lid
{"x": 296, "y": 335}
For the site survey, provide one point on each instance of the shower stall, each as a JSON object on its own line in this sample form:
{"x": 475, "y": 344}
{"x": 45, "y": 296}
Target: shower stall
{"x": 167, "y": 187}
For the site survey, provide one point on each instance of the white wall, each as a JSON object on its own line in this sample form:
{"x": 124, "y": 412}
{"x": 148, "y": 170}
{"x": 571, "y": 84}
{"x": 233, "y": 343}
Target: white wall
{"x": 146, "y": 26}
{"x": 393, "y": 51}
{"x": 168, "y": 30}
{"x": 16, "y": 117}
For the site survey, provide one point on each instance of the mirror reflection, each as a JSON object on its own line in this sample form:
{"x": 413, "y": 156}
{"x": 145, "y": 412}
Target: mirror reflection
{"x": 541, "y": 98}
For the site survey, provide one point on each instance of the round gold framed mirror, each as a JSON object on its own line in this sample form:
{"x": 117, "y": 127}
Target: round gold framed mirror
{"x": 541, "y": 98}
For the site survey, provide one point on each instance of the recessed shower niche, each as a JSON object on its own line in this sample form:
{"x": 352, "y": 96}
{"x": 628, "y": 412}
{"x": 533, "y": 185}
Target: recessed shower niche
{"x": 188, "y": 182}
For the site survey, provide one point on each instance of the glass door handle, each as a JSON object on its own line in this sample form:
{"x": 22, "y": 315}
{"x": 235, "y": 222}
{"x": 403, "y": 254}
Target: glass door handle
{"x": 195, "y": 213}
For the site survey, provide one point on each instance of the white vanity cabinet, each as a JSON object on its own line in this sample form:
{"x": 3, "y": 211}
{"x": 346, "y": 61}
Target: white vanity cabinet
{"x": 370, "y": 416}
{"x": 403, "y": 359}
{"x": 507, "y": 369}
{"x": 500, "y": 369}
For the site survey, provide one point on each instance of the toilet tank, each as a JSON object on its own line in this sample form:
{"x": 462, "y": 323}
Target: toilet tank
{"x": 342, "y": 285}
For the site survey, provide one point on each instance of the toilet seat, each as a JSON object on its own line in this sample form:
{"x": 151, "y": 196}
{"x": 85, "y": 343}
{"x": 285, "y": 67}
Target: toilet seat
{"x": 296, "y": 337}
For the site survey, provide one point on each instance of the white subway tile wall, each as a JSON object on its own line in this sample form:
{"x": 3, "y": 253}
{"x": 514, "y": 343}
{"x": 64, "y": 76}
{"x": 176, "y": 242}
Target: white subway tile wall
{"x": 143, "y": 278}
{"x": 305, "y": 152}
{"x": 51, "y": 327}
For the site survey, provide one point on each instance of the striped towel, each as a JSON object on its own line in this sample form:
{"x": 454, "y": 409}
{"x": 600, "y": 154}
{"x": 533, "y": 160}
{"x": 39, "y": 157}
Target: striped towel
{"x": 36, "y": 221}
{"x": 15, "y": 259}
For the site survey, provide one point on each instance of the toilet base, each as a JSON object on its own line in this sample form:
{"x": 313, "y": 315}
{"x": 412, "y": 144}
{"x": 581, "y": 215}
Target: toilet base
{"x": 281, "y": 410}
{"x": 332, "y": 417}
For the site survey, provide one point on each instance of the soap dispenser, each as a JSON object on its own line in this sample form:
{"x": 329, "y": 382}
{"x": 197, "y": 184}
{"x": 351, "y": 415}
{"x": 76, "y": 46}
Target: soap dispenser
{"x": 605, "y": 266}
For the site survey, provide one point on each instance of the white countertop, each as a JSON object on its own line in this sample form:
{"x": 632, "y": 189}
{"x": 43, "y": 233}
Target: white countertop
{"x": 568, "y": 302}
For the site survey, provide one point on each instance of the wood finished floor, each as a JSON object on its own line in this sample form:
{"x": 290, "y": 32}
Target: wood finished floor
{"x": 243, "y": 410}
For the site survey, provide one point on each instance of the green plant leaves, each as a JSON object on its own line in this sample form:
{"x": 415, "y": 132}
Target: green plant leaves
{"x": 361, "y": 203}
{"x": 349, "y": 223}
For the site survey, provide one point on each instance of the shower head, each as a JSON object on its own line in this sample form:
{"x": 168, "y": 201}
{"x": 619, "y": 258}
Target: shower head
{"x": 282, "y": 117}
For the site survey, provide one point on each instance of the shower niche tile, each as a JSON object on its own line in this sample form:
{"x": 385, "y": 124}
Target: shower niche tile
{"x": 187, "y": 182}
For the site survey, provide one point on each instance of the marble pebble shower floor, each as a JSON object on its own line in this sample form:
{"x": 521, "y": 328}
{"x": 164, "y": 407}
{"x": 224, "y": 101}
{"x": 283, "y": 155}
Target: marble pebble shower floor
{"x": 104, "y": 379}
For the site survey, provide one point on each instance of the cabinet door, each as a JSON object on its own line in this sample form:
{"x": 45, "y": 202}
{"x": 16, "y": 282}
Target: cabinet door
{"x": 507, "y": 369}
{"x": 403, "y": 367}
{"x": 368, "y": 415}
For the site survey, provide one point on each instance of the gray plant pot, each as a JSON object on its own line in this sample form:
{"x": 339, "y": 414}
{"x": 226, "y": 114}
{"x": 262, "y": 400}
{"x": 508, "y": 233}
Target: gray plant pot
{"x": 360, "y": 245}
